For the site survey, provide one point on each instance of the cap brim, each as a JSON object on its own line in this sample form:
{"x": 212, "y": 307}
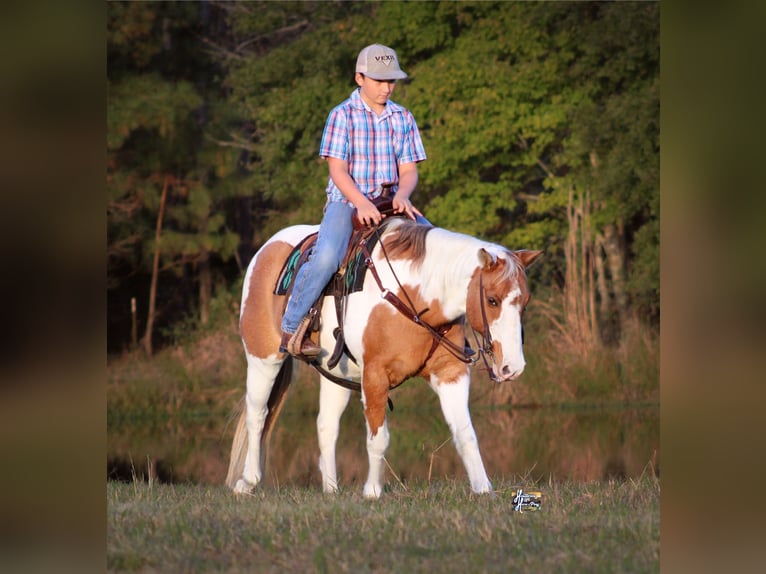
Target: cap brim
{"x": 390, "y": 76}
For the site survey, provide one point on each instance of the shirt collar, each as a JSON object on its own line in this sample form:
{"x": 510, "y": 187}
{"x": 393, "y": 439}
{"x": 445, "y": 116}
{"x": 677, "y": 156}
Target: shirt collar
{"x": 357, "y": 101}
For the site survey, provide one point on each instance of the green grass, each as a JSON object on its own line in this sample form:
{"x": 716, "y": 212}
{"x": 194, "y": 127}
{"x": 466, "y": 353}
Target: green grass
{"x": 611, "y": 526}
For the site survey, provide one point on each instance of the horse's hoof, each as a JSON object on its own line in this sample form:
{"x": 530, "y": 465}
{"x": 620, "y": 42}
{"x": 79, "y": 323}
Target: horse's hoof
{"x": 372, "y": 492}
{"x": 329, "y": 487}
{"x": 243, "y": 487}
{"x": 488, "y": 492}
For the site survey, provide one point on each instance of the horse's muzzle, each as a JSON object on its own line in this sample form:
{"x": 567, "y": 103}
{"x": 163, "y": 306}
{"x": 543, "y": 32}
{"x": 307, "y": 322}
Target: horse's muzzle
{"x": 507, "y": 373}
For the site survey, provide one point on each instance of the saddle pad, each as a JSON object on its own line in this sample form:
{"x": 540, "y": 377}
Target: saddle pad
{"x": 356, "y": 265}
{"x": 290, "y": 267}
{"x": 353, "y": 272}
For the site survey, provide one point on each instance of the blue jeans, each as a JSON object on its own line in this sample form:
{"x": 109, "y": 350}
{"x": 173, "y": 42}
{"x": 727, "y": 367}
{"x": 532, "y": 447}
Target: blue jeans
{"x": 325, "y": 259}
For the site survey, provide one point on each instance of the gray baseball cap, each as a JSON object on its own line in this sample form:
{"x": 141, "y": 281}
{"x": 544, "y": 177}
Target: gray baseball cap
{"x": 379, "y": 63}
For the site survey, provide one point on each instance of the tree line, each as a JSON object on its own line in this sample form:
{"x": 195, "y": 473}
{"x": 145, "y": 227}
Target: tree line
{"x": 540, "y": 121}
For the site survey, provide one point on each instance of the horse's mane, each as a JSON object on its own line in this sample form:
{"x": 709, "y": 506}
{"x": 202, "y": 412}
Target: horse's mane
{"x": 405, "y": 239}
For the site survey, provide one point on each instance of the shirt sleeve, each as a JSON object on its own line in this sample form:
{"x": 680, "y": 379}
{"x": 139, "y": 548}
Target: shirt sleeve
{"x": 335, "y": 137}
{"x": 412, "y": 145}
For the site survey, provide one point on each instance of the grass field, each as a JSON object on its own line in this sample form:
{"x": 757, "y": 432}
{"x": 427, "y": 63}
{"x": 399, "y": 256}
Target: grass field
{"x": 419, "y": 525}
{"x": 610, "y": 526}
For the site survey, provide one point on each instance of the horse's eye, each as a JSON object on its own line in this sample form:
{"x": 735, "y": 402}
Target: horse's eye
{"x": 492, "y": 301}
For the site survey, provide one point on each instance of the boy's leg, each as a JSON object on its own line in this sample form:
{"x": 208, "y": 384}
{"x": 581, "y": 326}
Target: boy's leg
{"x": 332, "y": 242}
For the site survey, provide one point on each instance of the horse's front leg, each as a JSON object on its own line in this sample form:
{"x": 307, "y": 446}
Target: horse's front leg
{"x": 375, "y": 399}
{"x": 453, "y": 397}
{"x": 332, "y": 402}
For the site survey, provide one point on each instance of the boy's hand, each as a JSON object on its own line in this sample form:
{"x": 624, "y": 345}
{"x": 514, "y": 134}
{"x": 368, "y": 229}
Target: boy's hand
{"x": 368, "y": 213}
{"x": 404, "y": 205}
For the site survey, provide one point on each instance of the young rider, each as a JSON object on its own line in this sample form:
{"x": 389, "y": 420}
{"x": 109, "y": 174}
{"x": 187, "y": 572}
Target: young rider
{"x": 368, "y": 140}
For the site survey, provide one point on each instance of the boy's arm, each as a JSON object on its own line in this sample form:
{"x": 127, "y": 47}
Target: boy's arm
{"x": 340, "y": 175}
{"x": 408, "y": 179}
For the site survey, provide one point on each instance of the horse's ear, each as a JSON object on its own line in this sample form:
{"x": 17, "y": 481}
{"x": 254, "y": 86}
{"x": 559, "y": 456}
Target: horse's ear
{"x": 527, "y": 257}
{"x": 486, "y": 258}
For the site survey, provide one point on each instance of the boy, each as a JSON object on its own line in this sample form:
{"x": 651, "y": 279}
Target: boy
{"x": 368, "y": 140}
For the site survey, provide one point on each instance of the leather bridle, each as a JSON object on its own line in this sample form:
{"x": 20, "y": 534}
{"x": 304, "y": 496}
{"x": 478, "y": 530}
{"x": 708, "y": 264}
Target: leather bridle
{"x": 438, "y": 334}
{"x": 485, "y": 348}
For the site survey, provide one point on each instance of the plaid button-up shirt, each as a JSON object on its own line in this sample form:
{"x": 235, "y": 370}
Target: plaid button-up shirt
{"x": 372, "y": 145}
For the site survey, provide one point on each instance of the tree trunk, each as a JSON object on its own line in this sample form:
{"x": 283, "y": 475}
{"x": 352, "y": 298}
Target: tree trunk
{"x": 205, "y": 279}
{"x": 147, "y": 340}
{"x": 205, "y": 287}
{"x": 133, "y": 325}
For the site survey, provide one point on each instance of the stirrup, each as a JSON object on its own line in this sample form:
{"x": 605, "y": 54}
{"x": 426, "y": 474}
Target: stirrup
{"x": 299, "y": 344}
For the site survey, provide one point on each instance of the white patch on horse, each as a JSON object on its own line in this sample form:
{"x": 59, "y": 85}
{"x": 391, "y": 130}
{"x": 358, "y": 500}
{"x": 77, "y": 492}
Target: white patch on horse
{"x": 509, "y": 324}
{"x": 453, "y": 398}
{"x": 445, "y": 281}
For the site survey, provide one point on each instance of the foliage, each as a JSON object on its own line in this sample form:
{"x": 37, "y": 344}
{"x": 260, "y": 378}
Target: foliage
{"x": 159, "y": 103}
{"x": 518, "y": 104}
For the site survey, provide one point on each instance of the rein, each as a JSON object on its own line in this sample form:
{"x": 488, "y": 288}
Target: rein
{"x": 408, "y": 310}
{"x": 345, "y": 383}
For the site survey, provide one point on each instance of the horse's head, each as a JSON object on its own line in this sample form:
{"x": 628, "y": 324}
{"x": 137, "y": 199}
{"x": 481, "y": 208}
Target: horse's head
{"x": 497, "y": 296}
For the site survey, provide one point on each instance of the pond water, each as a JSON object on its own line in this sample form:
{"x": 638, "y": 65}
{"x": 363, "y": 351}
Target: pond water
{"x": 579, "y": 444}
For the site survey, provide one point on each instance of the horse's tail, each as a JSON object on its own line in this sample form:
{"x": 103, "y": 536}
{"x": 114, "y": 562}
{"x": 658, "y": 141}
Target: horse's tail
{"x": 239, "y": 444}
{"x": 275, "y": 404}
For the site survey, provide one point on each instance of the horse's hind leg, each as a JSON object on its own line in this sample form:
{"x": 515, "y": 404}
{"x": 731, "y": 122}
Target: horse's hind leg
{"x": 453, "y": 397}
{"x": 333, "y": 400}
{"x": 261, "y": 374}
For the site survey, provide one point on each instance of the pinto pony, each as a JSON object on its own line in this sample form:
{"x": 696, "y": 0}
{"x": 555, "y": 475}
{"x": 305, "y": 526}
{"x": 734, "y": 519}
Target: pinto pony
{"x": 446, "y": 279}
